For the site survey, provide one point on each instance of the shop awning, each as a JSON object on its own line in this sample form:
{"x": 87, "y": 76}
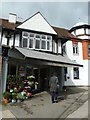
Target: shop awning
{"x": 41, "y": 57}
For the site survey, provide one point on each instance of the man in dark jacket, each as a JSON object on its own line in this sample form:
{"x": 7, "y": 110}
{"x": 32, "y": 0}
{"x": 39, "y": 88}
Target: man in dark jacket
{"x": 53, "y": 83}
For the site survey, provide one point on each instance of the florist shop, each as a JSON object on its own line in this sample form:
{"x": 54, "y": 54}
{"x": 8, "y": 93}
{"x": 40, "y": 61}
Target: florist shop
{"x": 27, "y": 72}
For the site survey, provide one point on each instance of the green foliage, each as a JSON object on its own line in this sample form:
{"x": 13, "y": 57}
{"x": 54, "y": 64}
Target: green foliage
{"x": 19, "y": 96}
{"x": 14, "y": 96}
{"x": 6, "y": 95}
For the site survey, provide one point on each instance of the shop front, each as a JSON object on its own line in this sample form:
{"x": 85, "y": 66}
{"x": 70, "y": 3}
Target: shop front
{"x": 27, "y": 63}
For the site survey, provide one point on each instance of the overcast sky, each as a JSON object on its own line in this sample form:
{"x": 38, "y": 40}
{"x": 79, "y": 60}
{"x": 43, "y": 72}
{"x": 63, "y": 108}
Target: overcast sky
{"x": 60, "y": 14}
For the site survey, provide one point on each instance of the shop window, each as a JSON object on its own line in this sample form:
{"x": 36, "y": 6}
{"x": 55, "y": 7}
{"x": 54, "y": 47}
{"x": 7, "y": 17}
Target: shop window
{"x": 11, "y": 69}
{"x": 88, "y": 49}
{"x": 76, "y": 72}
{"x": 75, "y": 48}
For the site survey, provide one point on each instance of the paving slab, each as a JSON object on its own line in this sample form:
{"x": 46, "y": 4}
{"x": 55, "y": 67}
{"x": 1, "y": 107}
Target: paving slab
{"x": 40, "y": 106}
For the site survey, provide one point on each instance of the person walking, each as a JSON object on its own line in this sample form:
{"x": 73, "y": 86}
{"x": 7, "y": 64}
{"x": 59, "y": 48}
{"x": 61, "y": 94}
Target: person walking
{"x": 53, "y": 83}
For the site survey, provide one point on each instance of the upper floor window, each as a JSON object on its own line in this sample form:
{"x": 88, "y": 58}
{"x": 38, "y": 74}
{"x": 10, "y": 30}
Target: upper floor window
{"x": 37, "y": 41}
{"x": 76, "y": 72}
{"x": 88, "y": 49}
{"x": 64, "y": 48}
{"x": 75, "y": 48}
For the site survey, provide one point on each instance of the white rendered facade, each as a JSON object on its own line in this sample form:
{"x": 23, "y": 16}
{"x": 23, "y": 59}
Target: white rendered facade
{"x": 84, "y": 75}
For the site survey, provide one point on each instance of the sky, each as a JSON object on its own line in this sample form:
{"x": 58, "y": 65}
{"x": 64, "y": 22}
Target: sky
{"x": 59, "y": 14}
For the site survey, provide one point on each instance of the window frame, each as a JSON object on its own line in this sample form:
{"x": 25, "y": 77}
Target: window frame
{"x": 76, "y": 48}
{"x": 48, "y": 38}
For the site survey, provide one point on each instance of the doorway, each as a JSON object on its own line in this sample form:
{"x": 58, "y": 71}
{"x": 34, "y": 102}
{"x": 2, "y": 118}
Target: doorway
{"x": 44, "y": 78}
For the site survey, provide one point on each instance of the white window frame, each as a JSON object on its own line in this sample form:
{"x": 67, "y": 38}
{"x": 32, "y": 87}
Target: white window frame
{"x": 33, "y": 40}
{"x": 26, "y": 37}
{"x": 75, "y": 45}
{"x": 40, "y": 39}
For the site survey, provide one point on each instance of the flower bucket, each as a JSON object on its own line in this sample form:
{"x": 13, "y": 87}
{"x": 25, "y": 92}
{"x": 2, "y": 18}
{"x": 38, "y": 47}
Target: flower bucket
{"x": 5, "y": 100}
{"x": 13, "y": 101}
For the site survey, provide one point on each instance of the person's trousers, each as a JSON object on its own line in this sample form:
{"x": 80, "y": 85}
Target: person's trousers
{"x": 54, "y": 96}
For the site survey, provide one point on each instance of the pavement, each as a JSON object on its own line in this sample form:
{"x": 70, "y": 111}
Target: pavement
{"x": 72, "y": 104}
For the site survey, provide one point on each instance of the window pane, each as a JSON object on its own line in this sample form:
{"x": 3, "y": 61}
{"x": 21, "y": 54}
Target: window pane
{"x": 48, "y": 37}
{"x": 64, "y": 48}
{"x": 43, "y": 44}
{"x": 31, "y": 35}
{"x": 31, "y": 43}
{"x": 25, "y": 34}
{"x": 24, "y": 42}
{"x": 48, "y": 45}
{"x": 37, "y": 46}
{"x": 37, "y": 36}
{"x": 43, "y": 37}
{"x": 76, "y": 73}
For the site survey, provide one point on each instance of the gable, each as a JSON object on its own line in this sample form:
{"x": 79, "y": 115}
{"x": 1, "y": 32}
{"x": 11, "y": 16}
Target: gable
{"x": 37, "y": 23}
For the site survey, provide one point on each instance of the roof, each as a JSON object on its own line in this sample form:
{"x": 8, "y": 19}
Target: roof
{"x": 62, "y": 32}
{"x": 59, "y": 59}
{"x": 80, "y": 23}
{"x": 6, "y": 24}
{"x": 37, "y": 23}
{"x": 79, "y": 26}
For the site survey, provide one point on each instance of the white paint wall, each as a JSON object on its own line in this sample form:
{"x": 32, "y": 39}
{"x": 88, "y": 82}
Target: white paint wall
{"x": 84, "y": 76}
{"x": 83, "y": 72}
{"x": 80, "y": 31}
{"x": 89, "y": 72}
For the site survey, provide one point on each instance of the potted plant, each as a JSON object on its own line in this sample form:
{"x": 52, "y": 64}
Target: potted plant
{"x": 19, "y": 97}
{"x": 6, "y": 96}
{"x": 14, "y": 97}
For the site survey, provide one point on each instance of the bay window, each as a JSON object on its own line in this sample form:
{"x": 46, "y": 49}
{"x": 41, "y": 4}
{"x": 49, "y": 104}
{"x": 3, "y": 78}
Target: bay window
{"x": 37, "y": 41}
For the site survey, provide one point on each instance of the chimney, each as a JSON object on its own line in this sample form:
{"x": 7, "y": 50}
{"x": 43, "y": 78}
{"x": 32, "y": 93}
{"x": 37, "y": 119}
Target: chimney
{"x": 12, "y": 18}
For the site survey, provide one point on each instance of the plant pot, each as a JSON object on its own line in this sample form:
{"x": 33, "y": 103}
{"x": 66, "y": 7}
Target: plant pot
{"x": 5, "y": 100}
{"x": 13, "y": 100}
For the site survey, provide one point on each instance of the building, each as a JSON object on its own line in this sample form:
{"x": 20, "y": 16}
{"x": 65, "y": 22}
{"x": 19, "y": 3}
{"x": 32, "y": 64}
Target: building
{"x": 78, "y": 50}
{"x": 33, "y": 47}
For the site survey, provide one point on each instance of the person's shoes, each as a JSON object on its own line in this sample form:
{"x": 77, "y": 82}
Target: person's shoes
{"x": 53, "y": 101}
{"x": 56, "y": 101}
